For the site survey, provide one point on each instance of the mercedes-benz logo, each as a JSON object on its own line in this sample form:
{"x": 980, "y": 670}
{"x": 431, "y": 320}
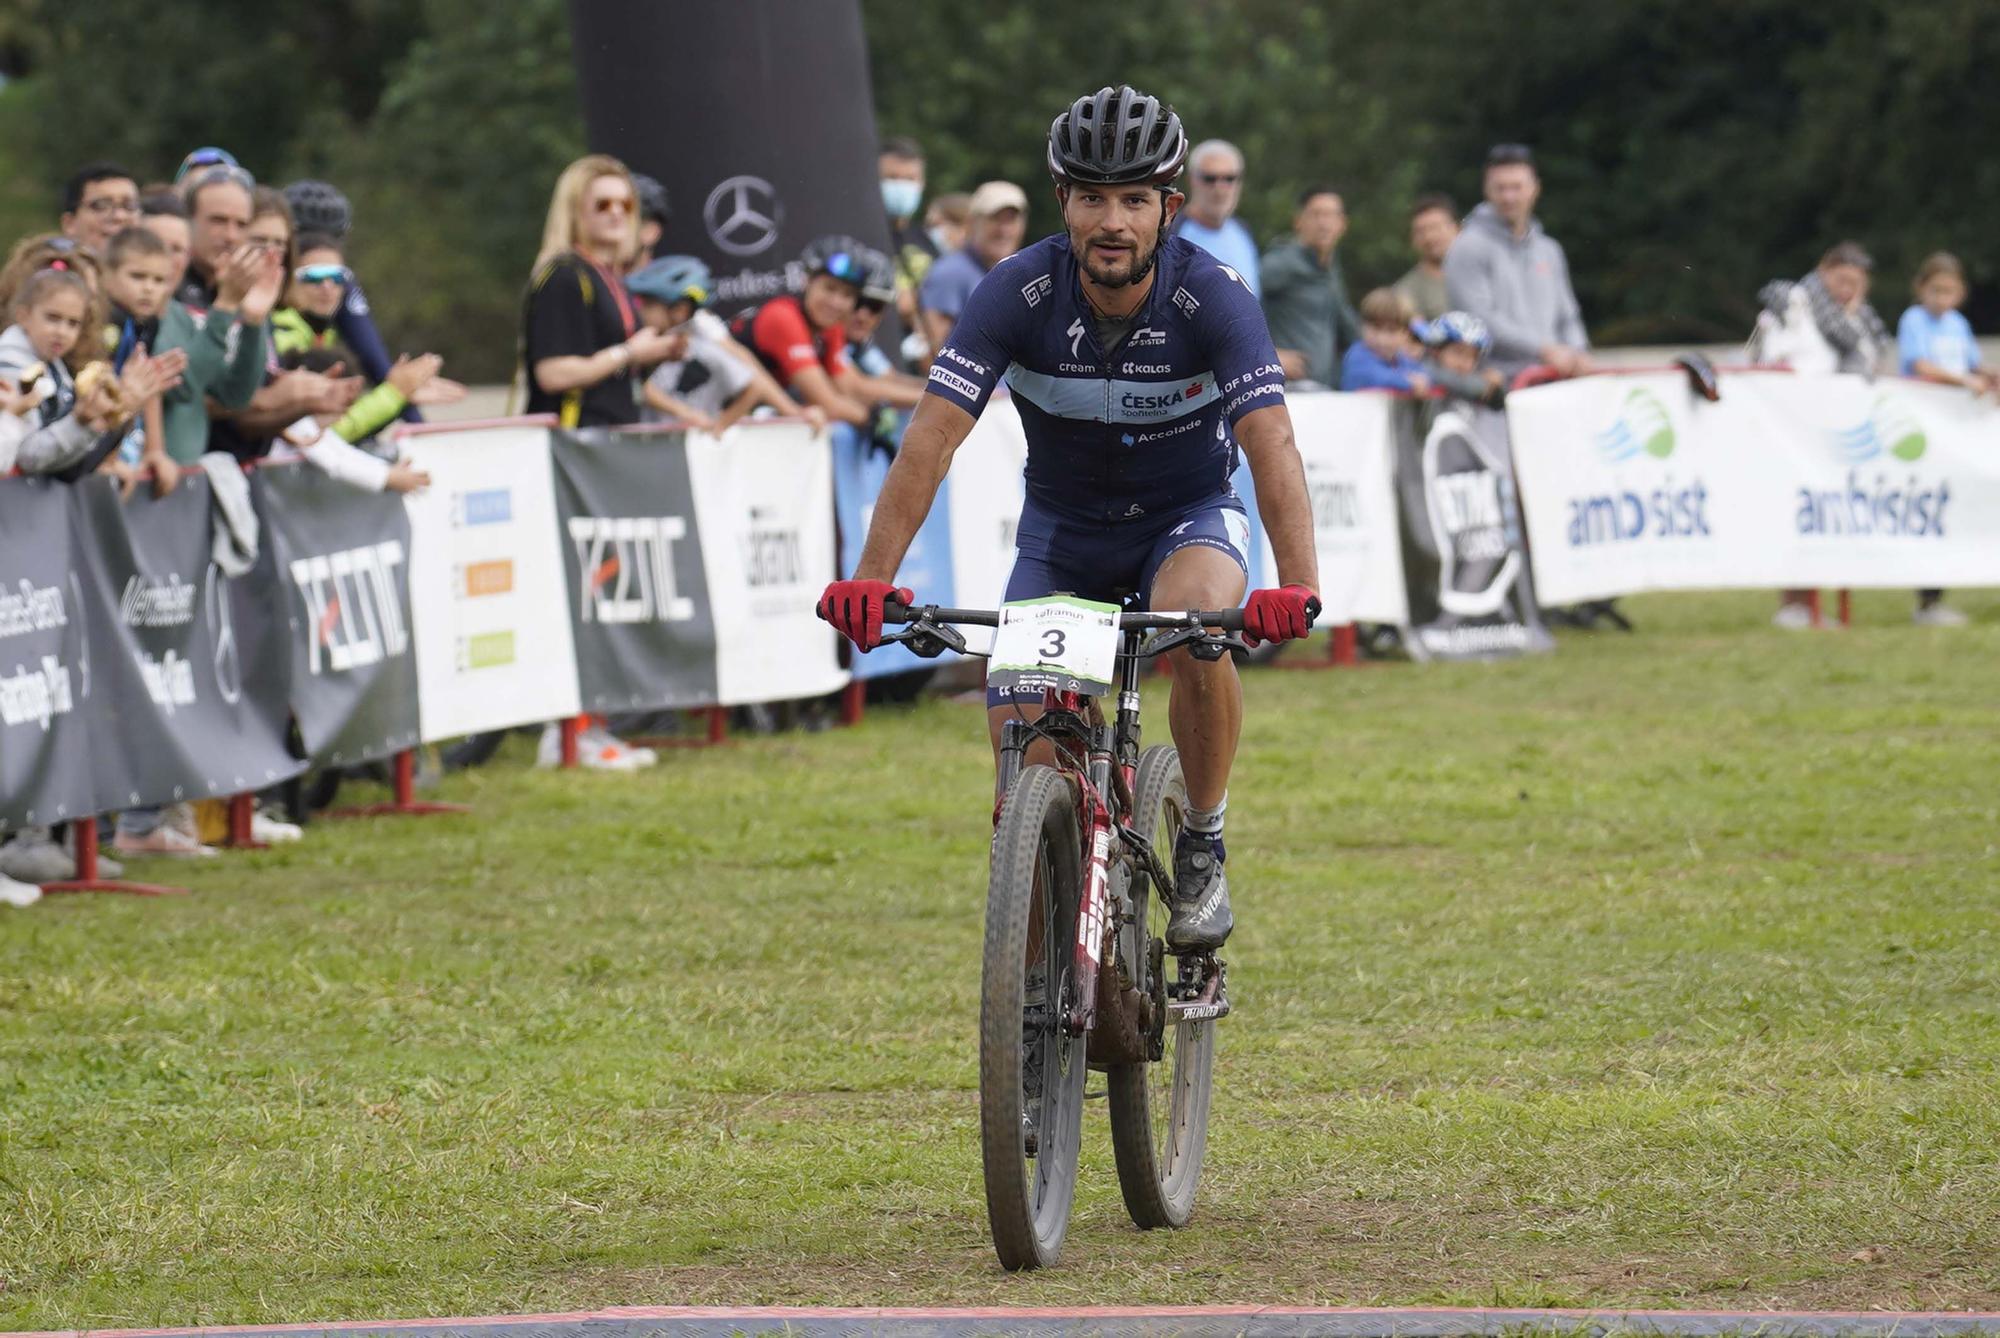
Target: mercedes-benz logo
{"x": 221, "y": 626}
{"x": 743, "y": 215}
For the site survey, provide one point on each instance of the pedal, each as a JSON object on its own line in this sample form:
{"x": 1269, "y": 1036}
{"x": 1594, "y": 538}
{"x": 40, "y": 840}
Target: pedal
{"x": 1202, "y": 992}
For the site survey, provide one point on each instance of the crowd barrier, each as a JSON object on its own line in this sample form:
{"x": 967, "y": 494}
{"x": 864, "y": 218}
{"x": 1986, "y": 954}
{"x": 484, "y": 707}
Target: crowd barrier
{"x": 1632, "y": 482}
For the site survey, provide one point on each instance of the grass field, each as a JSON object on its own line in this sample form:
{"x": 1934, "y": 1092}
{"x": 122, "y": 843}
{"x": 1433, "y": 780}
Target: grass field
{"x": 1661, "y": 971}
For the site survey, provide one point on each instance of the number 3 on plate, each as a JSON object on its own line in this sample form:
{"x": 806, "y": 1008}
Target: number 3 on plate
{"x": 1053, "y": 642}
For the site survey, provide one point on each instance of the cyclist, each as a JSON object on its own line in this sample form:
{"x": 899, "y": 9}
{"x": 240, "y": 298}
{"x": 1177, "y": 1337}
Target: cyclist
{"x": 1139, "y": 364}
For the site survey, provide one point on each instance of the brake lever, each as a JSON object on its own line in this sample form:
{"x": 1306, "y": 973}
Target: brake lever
{"x": 1201, "y": 643}
{"x": 928, "y": 639}
{"x": 1213, "y": 647}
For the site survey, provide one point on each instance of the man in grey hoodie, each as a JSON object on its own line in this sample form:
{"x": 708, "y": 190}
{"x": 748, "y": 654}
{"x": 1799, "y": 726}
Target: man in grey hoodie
{"x": 1505, "y": 270}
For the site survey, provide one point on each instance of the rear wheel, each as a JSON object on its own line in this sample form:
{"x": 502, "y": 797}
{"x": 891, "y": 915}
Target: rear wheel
{"x": 1031, "y": 1069}
{"x": 1159, "y": 1110}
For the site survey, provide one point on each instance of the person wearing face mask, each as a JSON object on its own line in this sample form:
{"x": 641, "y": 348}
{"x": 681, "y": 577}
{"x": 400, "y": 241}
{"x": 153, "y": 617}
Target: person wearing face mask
{"x": 911, "y": 245}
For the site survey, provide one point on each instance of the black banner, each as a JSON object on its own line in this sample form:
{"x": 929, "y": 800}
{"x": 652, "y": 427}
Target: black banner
{"x": 337, "y": 562}
{"x": 757, "y": 116}
{"x": 188, "y": 685}
{"x": 45, "y": 684}
{"x": 640, "y": 611}
{"x": 1465, "y": 562}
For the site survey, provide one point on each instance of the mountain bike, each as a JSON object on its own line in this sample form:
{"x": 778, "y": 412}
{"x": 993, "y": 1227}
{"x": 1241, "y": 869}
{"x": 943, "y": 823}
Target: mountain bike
{"x": 1076, "y": 972}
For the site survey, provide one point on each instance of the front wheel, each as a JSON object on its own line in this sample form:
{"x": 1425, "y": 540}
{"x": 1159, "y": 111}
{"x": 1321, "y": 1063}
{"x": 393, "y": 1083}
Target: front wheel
{"x": 1031, "y": 1069}
{"x": 1159, "y": 1110}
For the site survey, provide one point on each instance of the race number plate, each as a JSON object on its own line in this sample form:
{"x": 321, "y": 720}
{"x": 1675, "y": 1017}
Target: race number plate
{"x": 1070, "y": 645}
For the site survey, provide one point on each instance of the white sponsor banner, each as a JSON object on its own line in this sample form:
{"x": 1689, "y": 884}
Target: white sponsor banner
{"x": 1348, "y": 449}
{"x": 1632, "y": 483}
{"x": 488, "y": 608}
{"x": 763, "y": 501}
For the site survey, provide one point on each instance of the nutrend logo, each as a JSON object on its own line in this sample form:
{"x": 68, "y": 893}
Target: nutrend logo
{"x": 1641, "y": 427}
{"x": 1889, "y": 429}
{"x": 1872, "y": 501}
{"x": 1662, "y": 507}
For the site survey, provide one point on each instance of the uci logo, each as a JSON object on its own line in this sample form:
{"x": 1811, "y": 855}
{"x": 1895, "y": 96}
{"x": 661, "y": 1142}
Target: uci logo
{"x": 1888, "y": 430}
{"x": 743, "y": 214}
{"x": 1642, "y": 426}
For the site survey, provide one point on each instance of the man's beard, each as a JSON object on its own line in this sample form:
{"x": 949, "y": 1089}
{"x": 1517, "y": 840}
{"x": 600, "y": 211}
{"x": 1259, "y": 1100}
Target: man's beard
{"x": 1141, "y": 267}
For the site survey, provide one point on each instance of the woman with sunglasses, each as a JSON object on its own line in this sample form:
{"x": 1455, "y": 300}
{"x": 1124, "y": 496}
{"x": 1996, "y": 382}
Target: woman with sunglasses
{"x": 584, "y": 351}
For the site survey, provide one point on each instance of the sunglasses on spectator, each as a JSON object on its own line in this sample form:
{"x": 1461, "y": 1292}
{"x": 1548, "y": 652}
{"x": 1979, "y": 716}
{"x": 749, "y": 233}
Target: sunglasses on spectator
{"x": 1219, "y": 178}
{"x": 200, "y": 158}
{"x": 619, "y": 203}
{"x": 339, "y": 274}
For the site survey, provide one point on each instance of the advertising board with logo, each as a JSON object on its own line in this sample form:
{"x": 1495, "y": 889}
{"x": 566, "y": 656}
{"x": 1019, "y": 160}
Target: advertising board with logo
{"x": 1631, "y": 483}
{"x": 45, "y": 681}
{"x": 486, "y": 580}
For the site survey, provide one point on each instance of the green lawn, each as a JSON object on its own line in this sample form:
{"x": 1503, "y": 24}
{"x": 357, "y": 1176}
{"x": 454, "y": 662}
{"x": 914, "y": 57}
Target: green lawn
{"x": 1660, "y": 971}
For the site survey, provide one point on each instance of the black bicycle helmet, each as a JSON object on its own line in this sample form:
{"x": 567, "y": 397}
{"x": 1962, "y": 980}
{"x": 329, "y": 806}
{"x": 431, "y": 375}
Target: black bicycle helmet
{"x": 841, "y": 256}
{"x": 1115, "y": 137}
{"x": 879, "y": 284}
{"x": 652, "y": 198}
{"x": 318, "y": 206}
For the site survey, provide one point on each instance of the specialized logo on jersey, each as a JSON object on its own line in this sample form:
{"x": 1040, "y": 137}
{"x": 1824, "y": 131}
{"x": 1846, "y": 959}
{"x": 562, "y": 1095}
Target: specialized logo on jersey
{"x": 1075, "y": 333}
{"x": 1187, "y": 301}
{"x": 1034, "y": 290}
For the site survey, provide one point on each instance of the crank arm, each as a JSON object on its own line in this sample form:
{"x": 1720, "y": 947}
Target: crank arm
{"x": 1142, "y": 850}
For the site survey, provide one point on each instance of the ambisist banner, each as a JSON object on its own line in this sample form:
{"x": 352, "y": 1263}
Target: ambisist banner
{"x": 45, "y": 681}
{"x": 1463, "y": 565}
{"x": 1630, "y": 483}
{"x": 339, "y": 560}
{"x": 188, "y": 688}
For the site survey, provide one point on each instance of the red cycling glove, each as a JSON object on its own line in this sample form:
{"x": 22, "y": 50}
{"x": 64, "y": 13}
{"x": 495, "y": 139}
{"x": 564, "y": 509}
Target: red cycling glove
{"x": 855, "y": 609}
{"x": 1279, "y": 615}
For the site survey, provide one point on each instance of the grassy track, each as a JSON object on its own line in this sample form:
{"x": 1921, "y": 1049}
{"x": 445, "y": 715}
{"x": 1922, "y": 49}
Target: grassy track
{"x": 1660, "y": 971}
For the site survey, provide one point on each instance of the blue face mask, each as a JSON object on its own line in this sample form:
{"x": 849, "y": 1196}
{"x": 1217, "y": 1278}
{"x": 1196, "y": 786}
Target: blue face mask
{"x": 901, "y": 198}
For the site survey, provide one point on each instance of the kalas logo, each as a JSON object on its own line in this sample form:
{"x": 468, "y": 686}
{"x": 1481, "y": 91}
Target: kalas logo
{"x": 1889, "y": 429}
{"x": 1642, "y": 425}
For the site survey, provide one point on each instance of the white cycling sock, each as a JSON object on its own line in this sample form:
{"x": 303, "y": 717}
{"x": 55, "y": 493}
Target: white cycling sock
{"x": 1207, "y": 821}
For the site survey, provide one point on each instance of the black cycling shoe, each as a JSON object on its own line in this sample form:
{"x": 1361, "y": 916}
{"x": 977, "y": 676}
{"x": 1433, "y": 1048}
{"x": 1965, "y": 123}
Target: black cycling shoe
{"x": 1201, "y": 918}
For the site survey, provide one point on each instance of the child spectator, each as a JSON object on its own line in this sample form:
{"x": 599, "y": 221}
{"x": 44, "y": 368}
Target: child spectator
{"x": 711, "y": 386}
{"x": 802, "y": 341}
{"x": 162, "y": 214}
{"x": 1458, "y": 343}
{"x": 322, "y": 440}
{"x": 1933, "y": 339}
{"x": 49, "y": 250}
{"x": 138, "y": 283}
{"x": 1384, "y": 360}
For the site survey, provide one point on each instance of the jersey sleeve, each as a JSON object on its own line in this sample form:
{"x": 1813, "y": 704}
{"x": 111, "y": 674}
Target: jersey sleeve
{"x": 1229, "y": 330}
{"x": 781, "y": 335}
{"x": 981, "y": 343}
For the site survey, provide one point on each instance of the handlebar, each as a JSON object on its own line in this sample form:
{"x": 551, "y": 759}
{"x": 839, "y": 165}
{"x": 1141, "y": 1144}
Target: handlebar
{"x": 1228, "y": 620}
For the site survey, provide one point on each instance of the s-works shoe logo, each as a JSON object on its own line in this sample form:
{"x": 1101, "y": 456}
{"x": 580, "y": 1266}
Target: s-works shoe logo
{"x": 1889, "y": 429}
{"x": 1642, "y": 426}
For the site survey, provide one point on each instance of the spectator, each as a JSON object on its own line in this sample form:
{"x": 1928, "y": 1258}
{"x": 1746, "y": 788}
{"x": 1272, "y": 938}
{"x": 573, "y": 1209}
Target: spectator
{"x": 1305, "y": 297}
{"x": 1215, "y": 186}
{"x": 1457, "y": 343}
{"x": 1433, "y": 228}
{"x": 138, "y": 284}
{"x": 710, "y": 387}
{"x": 49, "y": 250}
{"x": 217, "y": 200}
{"x": 1933, "y": 339}
{"x": 162, "y": 214}
{"x": 946, "y": 220}
{"x": 998, "y": 223}
{"x": 1384, "y": 359}
{"x": 320, "y": 207}
{"x": 328, "y": 443}
{"x": 226, "y": 346}
{"x": 1512, "y": 275}
{"x": 100, "y": 200}
{"x": 50, "y": 311}
{"x": 876, "y": 378}
{"x": 308, "y": 325}
{"x": 901, "y": 167}
{"x": 652, "y": 219}
{"x": 802, "y": 341}
{"x": 581, "y": 338}
{"x": 1823, "y": 322}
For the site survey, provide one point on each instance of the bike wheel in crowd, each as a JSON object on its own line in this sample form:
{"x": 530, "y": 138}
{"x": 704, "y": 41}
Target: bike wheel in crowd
{"x": 1159, "y": 1110}
{"x": 1031, "y": 1070}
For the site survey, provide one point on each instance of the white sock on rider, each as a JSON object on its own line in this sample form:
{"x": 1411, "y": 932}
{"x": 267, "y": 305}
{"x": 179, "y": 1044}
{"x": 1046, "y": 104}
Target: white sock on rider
{"x": 1206, "y": 821}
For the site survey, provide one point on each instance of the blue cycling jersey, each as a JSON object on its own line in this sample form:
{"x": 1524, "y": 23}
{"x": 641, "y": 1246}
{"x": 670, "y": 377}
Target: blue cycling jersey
{"x": 1143, "y": 431}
